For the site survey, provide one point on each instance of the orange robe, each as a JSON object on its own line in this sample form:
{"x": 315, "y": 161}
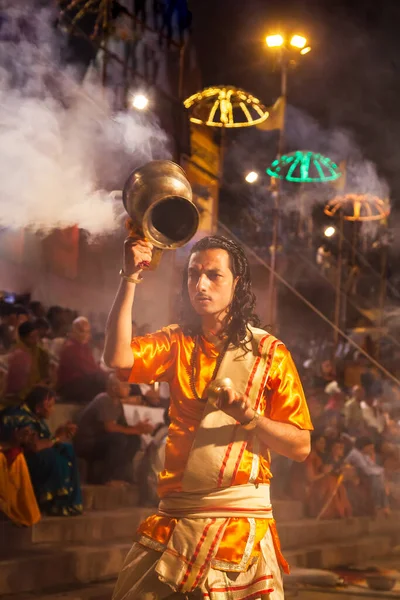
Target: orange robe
{"x": 165, "y": 356}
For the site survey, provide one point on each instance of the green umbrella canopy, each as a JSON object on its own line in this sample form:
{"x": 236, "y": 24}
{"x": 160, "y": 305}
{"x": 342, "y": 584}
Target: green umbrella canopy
{"x": 304, "y": 167}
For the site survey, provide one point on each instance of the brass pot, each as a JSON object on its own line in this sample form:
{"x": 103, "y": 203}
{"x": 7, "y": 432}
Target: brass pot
{"x": 158, "y": 199}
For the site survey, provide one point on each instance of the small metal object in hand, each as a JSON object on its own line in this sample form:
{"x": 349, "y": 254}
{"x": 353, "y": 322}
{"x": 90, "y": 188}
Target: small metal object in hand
{"x": 216, "y": 390}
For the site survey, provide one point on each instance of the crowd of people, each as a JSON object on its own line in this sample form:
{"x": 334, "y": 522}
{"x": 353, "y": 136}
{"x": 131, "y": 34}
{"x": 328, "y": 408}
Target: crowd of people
{"x": 53, "y": 356}
{"x": 354, "y": 465}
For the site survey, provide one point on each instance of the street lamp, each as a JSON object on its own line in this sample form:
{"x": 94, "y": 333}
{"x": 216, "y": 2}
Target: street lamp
{"x": 298, "y": 41}
{"x": 286, "y": 48}
{"x": 251, "y": 177}
{"x": 139, "y": 101}
{"x": 329, "y": 231}
{"x": 274, "y": 41}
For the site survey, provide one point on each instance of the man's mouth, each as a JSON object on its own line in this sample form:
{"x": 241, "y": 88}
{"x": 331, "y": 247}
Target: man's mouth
{"x": 202, "y": 299}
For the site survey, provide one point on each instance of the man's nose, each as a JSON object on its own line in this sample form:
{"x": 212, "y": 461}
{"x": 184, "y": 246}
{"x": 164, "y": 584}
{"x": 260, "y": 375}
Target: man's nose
{"x": 202, "y": 283}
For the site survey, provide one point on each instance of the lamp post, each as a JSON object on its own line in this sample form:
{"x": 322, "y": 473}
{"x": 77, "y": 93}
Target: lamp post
{"x": 287, "y": 48}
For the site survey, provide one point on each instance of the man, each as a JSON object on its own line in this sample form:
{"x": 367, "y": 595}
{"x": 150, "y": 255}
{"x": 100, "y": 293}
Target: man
{"x": 105, "y": 437}
{"x": 12, "y": 316}
{"x": 363, "y": 458}
{"x": 28, "y": 364}
{"x": 79, "y": 378}
{"x": 214, "y": 535}
{"x": 353, "y": 414}
{"x": 373, "y": 415}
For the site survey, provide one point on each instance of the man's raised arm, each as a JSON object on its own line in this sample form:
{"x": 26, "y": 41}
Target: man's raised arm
{"x": 117, "y": 348}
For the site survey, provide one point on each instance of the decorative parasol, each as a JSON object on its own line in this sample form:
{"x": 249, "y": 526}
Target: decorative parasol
{"x": 358, "y": 207}
{"x": 227, "y": 107}
{"x": 304, "y": 167}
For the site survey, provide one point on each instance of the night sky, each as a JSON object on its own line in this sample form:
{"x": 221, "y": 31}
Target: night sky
{"x": 349, "y": 81}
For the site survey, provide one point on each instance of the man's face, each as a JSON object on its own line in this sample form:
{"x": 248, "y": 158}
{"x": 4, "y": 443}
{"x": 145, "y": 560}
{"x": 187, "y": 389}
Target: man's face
{"x": 369, "y": 450}
{"x": 123, "y": 389}
{"x": 45, "y": 408}
{"x": 210, "y": 282}
{"x": 31, "y": 339}
{"x": 82, "y": 332}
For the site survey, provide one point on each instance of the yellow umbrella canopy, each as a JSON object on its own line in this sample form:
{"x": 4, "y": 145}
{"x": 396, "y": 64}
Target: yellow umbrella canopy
{"x": 358, "y": 207}
{"x": 224, "y": 106}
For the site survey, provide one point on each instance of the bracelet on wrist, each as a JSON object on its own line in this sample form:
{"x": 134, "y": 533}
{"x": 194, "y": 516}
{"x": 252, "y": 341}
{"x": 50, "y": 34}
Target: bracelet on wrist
{"x": 252, "y": 423}
{"x": 130, "y": 278}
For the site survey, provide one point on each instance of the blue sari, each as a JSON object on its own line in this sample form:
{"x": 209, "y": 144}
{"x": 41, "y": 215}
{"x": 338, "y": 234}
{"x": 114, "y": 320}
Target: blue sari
{"x": 53, "y": 471}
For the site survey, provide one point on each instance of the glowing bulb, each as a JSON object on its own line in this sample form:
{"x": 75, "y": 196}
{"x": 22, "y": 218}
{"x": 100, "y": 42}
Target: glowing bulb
{"x": 251, "y": 177}
{"x": 140, "y": 101}
{"x": 305, "y": 50}
{"x": 329, "y": 231}
{"x": 274, "y": 41}
{"x": 298, "y": 41}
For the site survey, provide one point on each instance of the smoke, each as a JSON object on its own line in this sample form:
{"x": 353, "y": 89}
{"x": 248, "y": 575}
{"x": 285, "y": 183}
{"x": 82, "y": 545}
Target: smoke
{"x": 62, "y": 146}
{"x": 361, "y": 175}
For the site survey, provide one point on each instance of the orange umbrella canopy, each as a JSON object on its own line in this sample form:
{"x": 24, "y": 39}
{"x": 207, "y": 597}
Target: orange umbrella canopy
{"x": 224, "y": 106}
{"x": 358, "y": 207}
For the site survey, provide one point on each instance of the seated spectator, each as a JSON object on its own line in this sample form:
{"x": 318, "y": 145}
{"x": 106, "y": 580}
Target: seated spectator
{"x": 79, "y": 378}
{"x": 51, "y": 459}
{"x": 105, "y": 438}
{"x": 325, "y": 375}
{"x": 17, "y": 498}
{"x": 362, "y": 457}
{"x": 152, "y": 464}
{"x": 334, "y": 407}
{"x": 353, "y": 413}
{"x": 12, "y": 316}
{"x": 336, "y": 397}
{"x": 373, "y": 415}
{"x": 28, "y": 364}
{"x": 327, "y": 497}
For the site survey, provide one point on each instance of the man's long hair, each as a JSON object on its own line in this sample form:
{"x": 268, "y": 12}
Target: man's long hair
{"x": 241, "y": 310}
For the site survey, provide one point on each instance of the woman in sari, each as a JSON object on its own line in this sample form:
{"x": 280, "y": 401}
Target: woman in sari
{"x": 17, "y": 498}
{"x": 327, "y": 497}
{"x": 51, "y": 460}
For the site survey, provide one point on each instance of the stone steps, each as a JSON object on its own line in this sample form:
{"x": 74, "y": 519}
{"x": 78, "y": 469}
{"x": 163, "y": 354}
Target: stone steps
{"x": 348, "y": 552}
{"x": 121, "y": 524}
{"x": 53, "y": 567}
{"x": 50, "y": 567}
{"x": 102, "y": 497}
{"x": 95, "y": 591}
{"x": 69, "y": 553}
{"x": 306, "y": 532}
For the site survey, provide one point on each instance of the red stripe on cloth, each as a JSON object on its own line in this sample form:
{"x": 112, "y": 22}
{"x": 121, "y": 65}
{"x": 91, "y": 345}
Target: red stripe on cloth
{"x": 235, "y": 470}
{"x": 224, "y": 463}
{"x": 209, "y": 555}
{"x": 267, "y": 368}
{"x": 196, "y": 552}
{"x": 249, "y": 384}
